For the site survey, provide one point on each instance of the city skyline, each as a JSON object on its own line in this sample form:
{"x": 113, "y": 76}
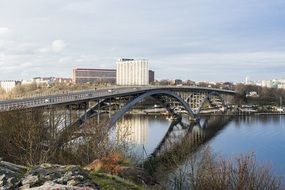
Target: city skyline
{"x": 197, "y": 40}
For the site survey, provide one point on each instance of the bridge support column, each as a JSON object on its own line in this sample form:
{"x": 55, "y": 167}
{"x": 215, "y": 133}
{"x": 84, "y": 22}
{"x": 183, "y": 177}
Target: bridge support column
{"x": 65, "y": 118}
{"x": 70, "y": 114}
{"x": 98, "y": 112}
{"x": 110, "y": 108}
{"x": 85, "y": 106}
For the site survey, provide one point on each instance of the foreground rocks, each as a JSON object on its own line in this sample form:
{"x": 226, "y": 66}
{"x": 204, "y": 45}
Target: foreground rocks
{"x": 45, "y": 176}
{"x": 112, "y": 172}
{"x": 10, "y": 175}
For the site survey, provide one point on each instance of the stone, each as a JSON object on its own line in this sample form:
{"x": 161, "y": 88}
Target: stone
{"x": 46, "y": 176}
{"x": 12, "y": 167}
{"x": 54, "y": 186}
{"x": 46, "y": 165}
{"x": 9, "y": 175}
{"x": 72, "y": 182}
{"x": 2, "y": 176}
{"x": 30, "y": 179}
{"x": 24, "y": 187}
{"x": 11, "y": 180}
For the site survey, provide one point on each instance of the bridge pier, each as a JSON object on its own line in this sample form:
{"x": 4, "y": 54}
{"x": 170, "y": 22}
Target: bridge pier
{"x": 110, "y": 108}
{"x": 98, "y": 112}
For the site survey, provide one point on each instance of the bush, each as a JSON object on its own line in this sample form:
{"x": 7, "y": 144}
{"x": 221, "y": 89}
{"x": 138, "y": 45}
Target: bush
{"x": 31, "y": 136}
{"x": 205, "y": 171}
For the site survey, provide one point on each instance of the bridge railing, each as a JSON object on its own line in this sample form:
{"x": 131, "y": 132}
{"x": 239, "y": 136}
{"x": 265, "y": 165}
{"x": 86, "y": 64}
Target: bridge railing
{"x": 79, "y": 95}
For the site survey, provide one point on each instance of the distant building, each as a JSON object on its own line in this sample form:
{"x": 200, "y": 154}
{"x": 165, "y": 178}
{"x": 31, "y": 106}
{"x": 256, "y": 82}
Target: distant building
{"x": 151, "y": 76}
{"x": 8, "y": 85}
{"x": 228, "y": 85}
{"x": 132, "y": 72}
{"x": 282, "y": 85}
{"x": 43, "y": 80}
{"x": 164, "y": 82}
{"x": 48, "y": 81}
{"x": 62, "y": 80}
{"x": 252, "y": 94}
{"x": 81, "y": 75}
{"x": 178, "y": 82}
{"x": 189, "y": 83}
{"x": 267, "y": 83}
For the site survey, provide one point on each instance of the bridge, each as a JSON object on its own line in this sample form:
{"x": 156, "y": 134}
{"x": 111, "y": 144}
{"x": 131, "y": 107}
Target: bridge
{"x": 75, "y": 108}
{"x": 118, "y": 100}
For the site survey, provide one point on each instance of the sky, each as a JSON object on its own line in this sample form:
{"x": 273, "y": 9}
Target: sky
{"x": 201, "y": 40}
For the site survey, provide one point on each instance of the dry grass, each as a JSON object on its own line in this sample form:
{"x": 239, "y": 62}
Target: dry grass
{"x": 208, "y": 172}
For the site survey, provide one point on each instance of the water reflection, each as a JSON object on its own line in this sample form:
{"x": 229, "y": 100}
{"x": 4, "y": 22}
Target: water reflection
{"x": 264, "y": 135}
{"x": 182, "y": 139}
{"x": 170, "y": 136}
{"x": 133, "y": 129}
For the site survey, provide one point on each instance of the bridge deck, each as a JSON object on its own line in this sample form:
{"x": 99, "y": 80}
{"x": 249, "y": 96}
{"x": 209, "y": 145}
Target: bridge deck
{"x": 87, "y": 95}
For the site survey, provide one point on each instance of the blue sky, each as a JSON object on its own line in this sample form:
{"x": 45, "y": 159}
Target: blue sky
{"x": 213, "y": 40}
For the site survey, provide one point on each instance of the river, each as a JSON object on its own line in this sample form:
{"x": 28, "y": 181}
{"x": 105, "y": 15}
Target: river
{"x": 264, "y": 135}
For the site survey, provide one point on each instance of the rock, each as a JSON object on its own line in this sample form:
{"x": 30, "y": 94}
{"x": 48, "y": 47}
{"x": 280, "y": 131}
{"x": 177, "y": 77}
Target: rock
{"x": 72, "y": 182}
{"x": 24, "y": 187}
{"x": 12, "y": 167}
{"x": 59, "y": 175}
{"x": 10, "y": 174}
{"x": 31, "y": 180}
{"x": 53, "y": 186}
{"x": 2, "y": 177}
{"x": 46, "y": 165}
{"x": 45, "y": 176}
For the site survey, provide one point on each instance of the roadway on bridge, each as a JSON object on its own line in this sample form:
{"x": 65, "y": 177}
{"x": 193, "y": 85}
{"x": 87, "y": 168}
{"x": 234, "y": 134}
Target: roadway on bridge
{"x": 69, "y": 97}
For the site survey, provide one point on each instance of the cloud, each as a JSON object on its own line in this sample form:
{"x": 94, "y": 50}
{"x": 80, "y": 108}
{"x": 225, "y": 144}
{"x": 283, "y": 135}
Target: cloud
{"x": 221, "y": 66}
{"x": 4, "y": 30}
{"x": 199, "y": 40}
{"x": 58, "y": 46}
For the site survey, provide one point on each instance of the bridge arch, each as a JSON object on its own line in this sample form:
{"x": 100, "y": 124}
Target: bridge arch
{"x": 207, "y": 98}
{"x": 141, "y": 97}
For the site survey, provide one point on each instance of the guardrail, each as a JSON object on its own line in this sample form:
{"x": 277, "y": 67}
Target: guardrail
{"x": 80, "y": 95}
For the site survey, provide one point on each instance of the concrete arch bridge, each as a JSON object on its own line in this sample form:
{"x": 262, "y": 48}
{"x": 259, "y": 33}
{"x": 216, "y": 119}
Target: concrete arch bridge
{"x": 79, "y": 106}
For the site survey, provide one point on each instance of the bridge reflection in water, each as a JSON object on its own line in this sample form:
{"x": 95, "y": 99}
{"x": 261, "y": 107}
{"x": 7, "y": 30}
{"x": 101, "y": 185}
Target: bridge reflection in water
{"x": 178, "y": 142}
{"x": 182, "y": 139}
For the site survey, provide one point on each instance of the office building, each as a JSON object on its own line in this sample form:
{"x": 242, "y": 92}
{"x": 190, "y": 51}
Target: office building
{"x": 46, "y": 81}
{"x": 81, "y": 75}
{"x": 132, "y": 72}
{"x": 151, "y": 76}
{"x": 8, "y": 85}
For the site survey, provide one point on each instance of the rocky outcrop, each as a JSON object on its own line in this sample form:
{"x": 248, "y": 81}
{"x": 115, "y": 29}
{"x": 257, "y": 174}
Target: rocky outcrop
{"x": 45, "y": 176}
{"x": 71, "y": 177}
{"x": 10, "y": 175}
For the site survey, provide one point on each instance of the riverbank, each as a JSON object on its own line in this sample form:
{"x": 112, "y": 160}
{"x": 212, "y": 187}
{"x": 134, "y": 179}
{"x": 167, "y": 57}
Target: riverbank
{"x": 269, "y": 113}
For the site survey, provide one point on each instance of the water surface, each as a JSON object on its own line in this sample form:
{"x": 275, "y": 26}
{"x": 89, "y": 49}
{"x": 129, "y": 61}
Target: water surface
{"x": 264, "y": 135}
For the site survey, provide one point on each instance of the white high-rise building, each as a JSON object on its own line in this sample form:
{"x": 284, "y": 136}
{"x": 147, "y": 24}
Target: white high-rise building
{"x": 132, "y": 72}
{"x": 8, "y": 85}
